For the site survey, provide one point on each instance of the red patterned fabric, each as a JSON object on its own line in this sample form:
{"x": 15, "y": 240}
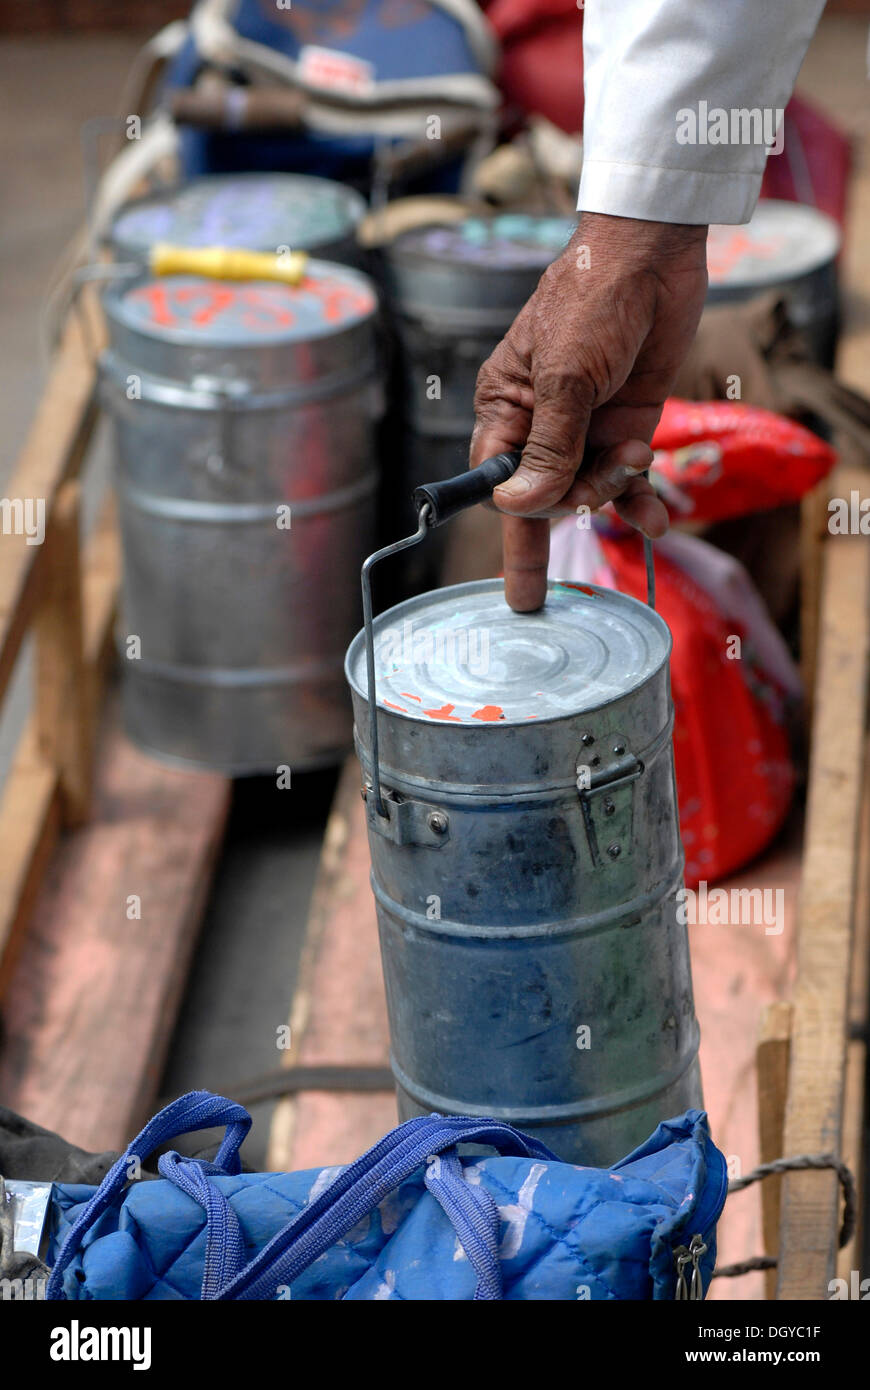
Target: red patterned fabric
{"x": 720, "y": 459}
{"x": 735, "y": 776}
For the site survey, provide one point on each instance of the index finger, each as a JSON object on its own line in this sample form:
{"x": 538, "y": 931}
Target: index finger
{"x": 526, "y": 551}
{"x": 525, "y": 542}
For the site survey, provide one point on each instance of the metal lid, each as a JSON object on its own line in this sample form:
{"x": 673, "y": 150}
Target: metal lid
{"x": 257, "y": 211}
{"x": 461, "y": 656}
{"x": 507, "y": 242}
{"x": 192, "y": 309}
{"x": 783, "y": 241}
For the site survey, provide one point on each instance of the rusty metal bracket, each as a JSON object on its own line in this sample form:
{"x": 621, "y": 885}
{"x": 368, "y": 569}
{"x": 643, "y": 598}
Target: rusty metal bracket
{"x": 607, "y": 804}
{"x": 407, "y": 822}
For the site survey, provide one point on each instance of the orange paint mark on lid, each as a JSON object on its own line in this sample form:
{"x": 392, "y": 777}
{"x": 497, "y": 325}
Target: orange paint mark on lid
{"x": 445, "y": 712}
{"x": 489, "y": 712}
{"x": 408, "y": 696}
{"x": 581, "y": 588}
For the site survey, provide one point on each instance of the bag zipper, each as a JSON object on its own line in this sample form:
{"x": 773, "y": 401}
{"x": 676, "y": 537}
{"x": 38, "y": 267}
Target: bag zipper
{"x": 685, "y": 1256}
{"x": 690, "y": 1255}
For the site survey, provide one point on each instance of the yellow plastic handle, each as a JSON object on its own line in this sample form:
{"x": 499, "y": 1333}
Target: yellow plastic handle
{"x": 227, "y": 263}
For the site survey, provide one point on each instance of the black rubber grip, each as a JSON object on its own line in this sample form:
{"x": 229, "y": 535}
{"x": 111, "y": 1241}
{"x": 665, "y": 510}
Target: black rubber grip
{"x": 451, "y": 496}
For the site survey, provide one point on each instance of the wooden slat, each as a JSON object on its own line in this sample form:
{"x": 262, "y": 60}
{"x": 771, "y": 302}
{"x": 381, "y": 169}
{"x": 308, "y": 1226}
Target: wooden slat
{"x": 30, "y": 808}
{"x": 52, "y": 453}
{"x": 738, "y": 970}
{"x": 100, "y": 584}
{"x": 850, "y": 1257}
{"x": 30, "y": 817}
{"x": 772, "y": 1058}
{"x": 95, "y": 993}
{"x": 817, "y": 1073}
{"x": 64, "y": 714}
{"x": 814, "y": 519}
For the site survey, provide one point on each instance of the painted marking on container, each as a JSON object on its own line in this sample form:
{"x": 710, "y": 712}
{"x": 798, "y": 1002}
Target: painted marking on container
{"x": 256, "y": 308}
{"x": 489, "y": 712}
{"x": 156, "y": 297}
{"x": 445, "y": 712}
{"x": 338, "y": 300}
{"x": 725, "y": 254}
{"x": 581, "y": 588}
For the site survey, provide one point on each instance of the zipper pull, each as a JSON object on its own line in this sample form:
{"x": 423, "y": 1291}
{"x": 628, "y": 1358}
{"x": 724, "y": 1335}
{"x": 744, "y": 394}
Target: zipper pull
{"x": 692, "y": 1292}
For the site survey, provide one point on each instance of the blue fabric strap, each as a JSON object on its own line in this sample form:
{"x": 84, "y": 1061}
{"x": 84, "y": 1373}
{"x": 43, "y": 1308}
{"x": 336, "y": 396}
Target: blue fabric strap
{"x": 225, "y": 1244}
{"x": 196, "y": 1110}
{"x": 356, "y": 1191}
{"x": 474, "y": 1216}
{"x": 361, "y": 1187}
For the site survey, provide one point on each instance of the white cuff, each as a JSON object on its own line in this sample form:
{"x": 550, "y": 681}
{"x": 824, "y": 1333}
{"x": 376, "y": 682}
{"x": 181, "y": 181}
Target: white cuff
{"x": 655, "y": 194}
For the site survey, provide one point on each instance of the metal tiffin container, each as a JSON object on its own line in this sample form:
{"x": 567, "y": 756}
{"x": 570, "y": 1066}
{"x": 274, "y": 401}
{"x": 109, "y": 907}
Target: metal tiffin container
{"x": 246, "y": 471}
{"x": 452, "y": 293}
{"x": 786, "y": 249}
{"x": 526, "y": 855}
{"x": 256, "y": 211}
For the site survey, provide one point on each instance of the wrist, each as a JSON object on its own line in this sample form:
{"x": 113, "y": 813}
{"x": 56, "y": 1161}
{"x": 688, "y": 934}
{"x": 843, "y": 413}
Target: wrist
{"x": 639, "y": 237}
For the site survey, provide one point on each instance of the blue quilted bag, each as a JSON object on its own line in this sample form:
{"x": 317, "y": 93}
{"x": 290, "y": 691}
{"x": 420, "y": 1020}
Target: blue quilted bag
{"x": 381, "y": 68}
{"x": 413, "y": 1218}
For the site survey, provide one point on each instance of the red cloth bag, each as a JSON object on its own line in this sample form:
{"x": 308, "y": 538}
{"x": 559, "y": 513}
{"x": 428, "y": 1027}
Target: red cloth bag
{"x": 721, "y": 459}
{"x": 735, "y": 776}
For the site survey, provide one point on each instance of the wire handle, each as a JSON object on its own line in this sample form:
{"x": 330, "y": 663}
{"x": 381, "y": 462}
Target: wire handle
{"x": 436, "y": 503}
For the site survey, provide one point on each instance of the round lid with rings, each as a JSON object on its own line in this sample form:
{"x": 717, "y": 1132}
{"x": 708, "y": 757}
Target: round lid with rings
{"x": 192, "y": 309}
{"x": 461, "y": 656}
{"x": 258, "y": 212}
{"x": 509, "y": 241}
{"x": 782, "y": 241}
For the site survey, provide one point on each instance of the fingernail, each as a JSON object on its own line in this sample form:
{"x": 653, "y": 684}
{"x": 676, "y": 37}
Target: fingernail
{"x": 514, "y": 487}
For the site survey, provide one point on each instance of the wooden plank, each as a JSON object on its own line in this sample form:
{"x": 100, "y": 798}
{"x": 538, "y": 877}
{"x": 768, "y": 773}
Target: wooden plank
{"x": 738, "y": 970}
{"x": 95, "y": 993}
{"x": 814, "y": 525}
{"x": 100, "y": 585}
{"x": 810, "y": 1200}
{"x": 64, "y": 713}
{"x": 52, "y": 453}
{"x": 30, "y": 818}
{"x": 850, "y": 1257}
{"x": 339, "y": 1011}
{"x": 30, "y": 808}
{"x": 772, "y": 1058}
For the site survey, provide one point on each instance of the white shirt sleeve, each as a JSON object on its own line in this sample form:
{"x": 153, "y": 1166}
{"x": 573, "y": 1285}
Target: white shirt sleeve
{"x": 665, "y": 81}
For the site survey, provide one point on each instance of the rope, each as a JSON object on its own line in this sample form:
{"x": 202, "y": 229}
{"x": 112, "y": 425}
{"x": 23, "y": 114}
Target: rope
{"x": 790, "y": 1165}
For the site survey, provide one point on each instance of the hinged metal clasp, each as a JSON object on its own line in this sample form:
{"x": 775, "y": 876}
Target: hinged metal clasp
{"x": 407, "y": 822}
{"x": 228, "y": 396}
{"x": 607, "y": 798}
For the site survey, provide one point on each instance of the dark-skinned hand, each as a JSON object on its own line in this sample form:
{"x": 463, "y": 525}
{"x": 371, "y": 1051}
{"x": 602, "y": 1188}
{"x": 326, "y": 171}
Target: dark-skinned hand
{"x": 585, "y": 368}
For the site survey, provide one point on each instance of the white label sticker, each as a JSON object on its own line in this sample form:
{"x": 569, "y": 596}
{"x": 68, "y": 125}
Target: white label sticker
{"x": 333, "y": 71}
